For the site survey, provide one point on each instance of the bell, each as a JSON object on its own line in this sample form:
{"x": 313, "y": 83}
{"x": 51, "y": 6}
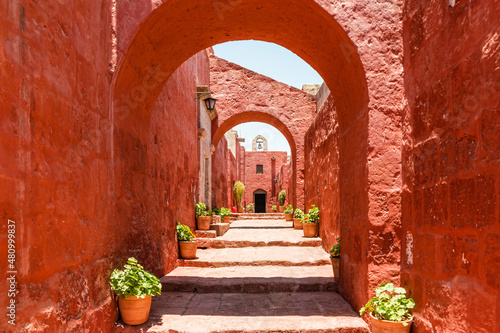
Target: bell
{"x": 259, "y": 146}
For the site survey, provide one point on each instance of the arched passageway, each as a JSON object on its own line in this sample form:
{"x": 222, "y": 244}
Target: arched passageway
{"x": 166, "y": 38}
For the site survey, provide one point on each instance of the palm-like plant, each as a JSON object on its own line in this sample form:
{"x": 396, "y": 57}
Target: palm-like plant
{"x": 238, "y": 190}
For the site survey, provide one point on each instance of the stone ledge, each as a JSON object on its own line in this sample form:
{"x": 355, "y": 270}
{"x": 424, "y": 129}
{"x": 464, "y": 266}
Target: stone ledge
{"x": 220, "y": 228}
{"x": 205, "y": 233}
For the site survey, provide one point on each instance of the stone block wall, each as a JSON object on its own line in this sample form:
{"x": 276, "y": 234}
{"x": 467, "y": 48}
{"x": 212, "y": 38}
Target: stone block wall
{"x": 451, "y": 165}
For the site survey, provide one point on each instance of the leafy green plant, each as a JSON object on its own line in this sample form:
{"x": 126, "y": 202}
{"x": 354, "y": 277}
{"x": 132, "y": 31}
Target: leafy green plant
{"x": 201, "y": 209}
{"x": 289, "y": 209}
{"x": 335, "y": 250}
{"x": 215, "y": 210}
{"x": 251, "y": 207}
{"x": 306, "y": 219}
{"x": 282, "y": 197}
{"x": 314, "y": 214}
{"x": 134, "y": 281}
{"x": 184, "y": 234}
{"x": 298, "y": 213}
{"x": 274, "y": 207}
{"x": 390, "y": 304}
{"x": 238, "y": 190}
{"x": 225, "y": 212}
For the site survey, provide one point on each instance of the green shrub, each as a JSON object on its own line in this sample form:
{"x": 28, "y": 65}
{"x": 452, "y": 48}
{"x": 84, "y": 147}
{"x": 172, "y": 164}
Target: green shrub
{"x": 238, "y": 190}
{"x": 298, "y": 213}
{"x": 335, "y": 250}
{"x": 225, "y": 212}
{"x": 289, "y": 209}
{"x": 282, "y": 197}
{"x": 251, "y": 207}
{"x": 390, "y": 304}
{"x": 215, "y": 210}
{"x": 134, "y": 281}
{"x": 184, "y": 234}
{"x": 274, "y": 207}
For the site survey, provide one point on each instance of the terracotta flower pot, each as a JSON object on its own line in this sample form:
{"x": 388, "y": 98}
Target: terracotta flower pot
{"x": 282, "y": 209}
{"x": 385, "y": 326}
{"x": 336, "y": 268}
{"x": 240, "y": 210}
{"x": 134, "y": 310}
{"x": 188, "y": 249}
{"x": 227, "y": 219}
{"x": 203, "y": 222}
{"x": 274, "y": 210}
{"x": 297, "y": 224}
{"x": 288, "y": 217}
{"x": 310, "y": 229}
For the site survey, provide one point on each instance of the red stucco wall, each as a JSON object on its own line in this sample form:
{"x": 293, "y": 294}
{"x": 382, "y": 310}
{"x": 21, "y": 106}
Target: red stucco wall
{"x": 85, "y": 191}
{"x": 254, "y": 181}
{"x": 322, "y": 172}
{"x": 451, "y": 250}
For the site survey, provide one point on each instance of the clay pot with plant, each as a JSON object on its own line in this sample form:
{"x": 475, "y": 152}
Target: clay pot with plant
{"x": 335, "y": 258}
{"x": 187, "y": 242}
{"x": 203, "y": 217}
{"x": 274, "y": 208}
{"x": 389, "y": 310}
{"x": 134, "y": 287}
{"x": 297, "y": 218}
{"x": 289, "y": 213}
{"x": 310, "y": 222}
{"x": 225, "y": 214}
{"x": 251, "y": 208}
{"x": 239, "y": 191}
{"x": 281, "y": 200}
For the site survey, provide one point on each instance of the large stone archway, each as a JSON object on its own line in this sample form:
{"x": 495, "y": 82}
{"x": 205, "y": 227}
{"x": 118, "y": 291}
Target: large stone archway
{"x": 246, "y": 96}
{"x": 366, "y": 104}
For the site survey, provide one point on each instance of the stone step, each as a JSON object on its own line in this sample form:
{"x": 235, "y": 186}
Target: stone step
{"x": 258, "y": 216}
{"x": 259, "y": 256}
{"x": 220, "y": 228}
{"x": 205, "y": 234}
{"x": 222, "y": 243}
{"x": 237, "y": 313}
{"x": 250, "y": 279}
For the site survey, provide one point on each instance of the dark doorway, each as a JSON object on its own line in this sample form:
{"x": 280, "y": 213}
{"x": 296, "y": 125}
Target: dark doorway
{"x": 259, "y": 198}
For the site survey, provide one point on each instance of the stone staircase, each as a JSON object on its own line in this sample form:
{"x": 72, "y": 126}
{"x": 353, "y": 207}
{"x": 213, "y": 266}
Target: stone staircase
{"x": 261, "y": 276}
{"x": 257, "y": 216}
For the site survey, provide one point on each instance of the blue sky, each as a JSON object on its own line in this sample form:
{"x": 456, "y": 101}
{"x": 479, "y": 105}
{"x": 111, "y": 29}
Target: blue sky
{"x": 276, "y": 62}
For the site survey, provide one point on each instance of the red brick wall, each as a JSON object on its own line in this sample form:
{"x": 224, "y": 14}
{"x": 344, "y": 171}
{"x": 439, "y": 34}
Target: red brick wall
{"x": 322, "y": 171}
{"x": 254, "y": 181}
{"x": 451, "y": 170}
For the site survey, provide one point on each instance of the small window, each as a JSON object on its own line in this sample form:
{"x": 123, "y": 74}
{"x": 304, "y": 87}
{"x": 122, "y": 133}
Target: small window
{"x": 260, "y": 169}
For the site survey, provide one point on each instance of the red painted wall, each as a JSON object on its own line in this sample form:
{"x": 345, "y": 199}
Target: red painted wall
{"x": 254, "y": 181}
{"x": 322, "y": 171}
{"x": 451, "y": 171}
{"x": 221, "y": 175}
{"x": 84, "y": 190}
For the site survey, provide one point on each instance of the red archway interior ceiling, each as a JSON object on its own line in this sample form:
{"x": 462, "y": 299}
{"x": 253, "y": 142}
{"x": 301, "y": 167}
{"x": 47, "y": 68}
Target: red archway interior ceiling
{"x": 166, "y": 39}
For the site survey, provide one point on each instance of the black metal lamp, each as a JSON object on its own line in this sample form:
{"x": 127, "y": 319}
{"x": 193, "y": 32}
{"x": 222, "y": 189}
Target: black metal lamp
{"x": 210, "y": 103}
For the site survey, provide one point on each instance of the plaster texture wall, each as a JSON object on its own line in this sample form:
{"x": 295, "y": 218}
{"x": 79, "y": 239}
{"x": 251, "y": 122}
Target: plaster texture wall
{"x": 451, "y": 165}
{"x": 322, "y": 170}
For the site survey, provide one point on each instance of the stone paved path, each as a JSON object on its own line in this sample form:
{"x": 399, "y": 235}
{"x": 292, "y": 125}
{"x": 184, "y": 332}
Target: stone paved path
{"x": 261, "y": 276}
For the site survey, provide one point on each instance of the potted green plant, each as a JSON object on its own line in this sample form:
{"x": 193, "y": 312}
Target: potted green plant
{"x": 281, "y": 200}
{"x": 289, "y": 213}
{"x": 239, "y": 190}
{"x": 225, "y": 214}
{"x": 134, "y": 287}
{"x": 389, "y": 310}
{"x": 251, "y": 207}
{"x": 297, "y": 217}
{"x": 203, "y": 217}
{"x": 310, "y": 223}
{"x": 335, "y": 258}
{"x": 187, "y": 242}
{"x": 274, "y": 208}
